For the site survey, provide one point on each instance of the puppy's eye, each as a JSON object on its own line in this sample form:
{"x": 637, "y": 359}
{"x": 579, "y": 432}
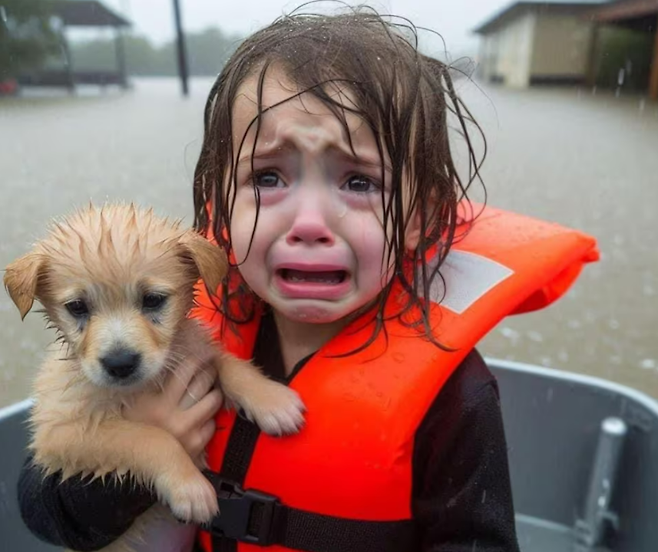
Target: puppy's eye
{"x": 77, "y": 308}
{"x": 153, "y": 301}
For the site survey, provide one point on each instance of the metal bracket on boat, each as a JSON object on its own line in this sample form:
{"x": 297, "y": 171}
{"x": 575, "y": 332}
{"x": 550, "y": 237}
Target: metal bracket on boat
{"x": 590, "y": 529}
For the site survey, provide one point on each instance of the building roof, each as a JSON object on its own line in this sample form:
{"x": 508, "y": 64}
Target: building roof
{"x": 513, "y": 7}
{"x": 628, "y": 9}
{"x": 87, "y": 13}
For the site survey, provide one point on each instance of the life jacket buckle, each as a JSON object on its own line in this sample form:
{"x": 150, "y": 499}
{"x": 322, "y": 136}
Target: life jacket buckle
{"x": 244, "y": 515}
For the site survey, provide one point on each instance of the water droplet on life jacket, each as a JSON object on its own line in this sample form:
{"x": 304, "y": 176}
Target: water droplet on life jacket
{"x": 398, "y": 357}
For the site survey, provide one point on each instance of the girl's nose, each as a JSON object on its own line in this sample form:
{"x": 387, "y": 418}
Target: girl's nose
{"x": 310, "y": 226}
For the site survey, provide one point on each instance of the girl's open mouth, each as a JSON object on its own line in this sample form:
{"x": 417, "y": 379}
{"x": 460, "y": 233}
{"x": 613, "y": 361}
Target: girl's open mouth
{"x": 323, "y": 285}
{"x": 330, "y": 277}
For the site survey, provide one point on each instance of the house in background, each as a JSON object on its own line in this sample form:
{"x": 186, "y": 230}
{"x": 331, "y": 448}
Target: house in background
{"x": 538, "y": 41}
{"x": 67, "y": 14}
{"x": 572, "y": 42}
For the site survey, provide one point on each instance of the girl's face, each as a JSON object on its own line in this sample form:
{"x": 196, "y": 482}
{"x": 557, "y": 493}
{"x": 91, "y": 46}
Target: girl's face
{"x": 319, "y": 248}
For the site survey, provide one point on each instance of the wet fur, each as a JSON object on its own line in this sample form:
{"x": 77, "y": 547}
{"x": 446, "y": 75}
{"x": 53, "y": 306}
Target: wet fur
{"x": 110, "y": 256}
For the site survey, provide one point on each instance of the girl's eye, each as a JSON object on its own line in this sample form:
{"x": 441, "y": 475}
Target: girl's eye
{"x": 361, "y": 184}
{"x": 267, "y": 179}
{"x": 77, "y": 308}
{"x": 153, "y": 301}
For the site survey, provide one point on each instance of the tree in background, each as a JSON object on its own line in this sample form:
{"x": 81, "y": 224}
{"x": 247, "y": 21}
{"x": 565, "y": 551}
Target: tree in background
{"x": 207, "y": 52}
{"x": 28, "y": 35}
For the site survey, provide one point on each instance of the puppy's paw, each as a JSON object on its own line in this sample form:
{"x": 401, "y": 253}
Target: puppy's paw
{"x": 277, "y": 409}
{"x": 191, "y": 499}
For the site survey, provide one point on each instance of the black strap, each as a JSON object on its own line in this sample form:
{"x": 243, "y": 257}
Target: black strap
{"x": 258, "y": 518}
{"x": 316, "y": 533}
{"x": 237, "y": 457}
{"x": 239, "y": 450}
{"x": 244, "y": 434}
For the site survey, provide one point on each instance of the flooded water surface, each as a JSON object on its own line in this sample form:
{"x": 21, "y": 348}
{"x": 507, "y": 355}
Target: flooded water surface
{"x": 583, "y": 160}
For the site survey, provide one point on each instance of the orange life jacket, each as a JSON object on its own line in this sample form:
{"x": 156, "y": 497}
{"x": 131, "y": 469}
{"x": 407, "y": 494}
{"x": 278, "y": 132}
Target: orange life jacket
{"x": 352, "y": 462}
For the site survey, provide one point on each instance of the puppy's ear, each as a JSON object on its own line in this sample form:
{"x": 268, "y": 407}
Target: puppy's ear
{"x": 22, "y": 279}
{"x": 210, "y": 260}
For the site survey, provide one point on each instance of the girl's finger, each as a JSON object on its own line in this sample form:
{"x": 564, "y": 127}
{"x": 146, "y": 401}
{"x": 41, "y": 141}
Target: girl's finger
{"x": 179, "y": 379}
{"x": 206, "y": 433}
{"x": 204, "y": 410}
{"x": 201, "y": 383}
{"x": 199, "y": 441}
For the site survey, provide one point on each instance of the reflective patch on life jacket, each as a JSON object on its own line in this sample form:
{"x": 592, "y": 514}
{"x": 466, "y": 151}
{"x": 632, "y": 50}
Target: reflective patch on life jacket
{"x": 467, "y": 277}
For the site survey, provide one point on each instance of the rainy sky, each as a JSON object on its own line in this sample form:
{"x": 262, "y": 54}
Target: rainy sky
{"x": 454, "y": 20}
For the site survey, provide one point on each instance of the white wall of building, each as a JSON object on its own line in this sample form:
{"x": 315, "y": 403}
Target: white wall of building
{"x": 562, "y": 46}
{"x": 507, "y": 53}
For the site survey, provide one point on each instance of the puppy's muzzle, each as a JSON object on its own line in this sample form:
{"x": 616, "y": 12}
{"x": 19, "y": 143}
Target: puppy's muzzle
{"x": 121, "y": 364}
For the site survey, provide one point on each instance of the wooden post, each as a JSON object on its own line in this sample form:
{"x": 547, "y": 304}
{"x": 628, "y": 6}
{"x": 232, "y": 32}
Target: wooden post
{"x": 180, "y": 47}
{"x": 653, "y": 82}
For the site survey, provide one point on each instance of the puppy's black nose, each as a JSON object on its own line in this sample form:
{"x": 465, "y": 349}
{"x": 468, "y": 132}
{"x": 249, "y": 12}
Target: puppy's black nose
{"x": 121, "y": 363}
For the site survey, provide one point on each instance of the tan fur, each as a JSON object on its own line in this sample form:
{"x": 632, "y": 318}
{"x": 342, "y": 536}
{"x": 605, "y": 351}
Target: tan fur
{"x": 111, "y": 257}
{"x": 21, "y": 279}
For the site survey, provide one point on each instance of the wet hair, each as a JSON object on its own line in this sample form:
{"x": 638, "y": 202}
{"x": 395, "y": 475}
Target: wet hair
{"x": 405, "y": 97}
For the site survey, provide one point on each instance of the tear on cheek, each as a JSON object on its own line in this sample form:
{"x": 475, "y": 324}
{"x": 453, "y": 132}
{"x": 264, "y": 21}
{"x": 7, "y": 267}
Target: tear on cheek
{"x": 341, "y": 211}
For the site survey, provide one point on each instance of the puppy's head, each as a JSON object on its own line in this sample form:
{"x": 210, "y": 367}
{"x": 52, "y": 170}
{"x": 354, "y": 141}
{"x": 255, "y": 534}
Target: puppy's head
{"x": 116, "y": 282}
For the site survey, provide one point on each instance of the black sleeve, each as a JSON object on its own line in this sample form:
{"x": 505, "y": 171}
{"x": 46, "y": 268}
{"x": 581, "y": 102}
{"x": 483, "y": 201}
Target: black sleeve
{"x": 462, "y": 496}
{"x": 78, "y": 513}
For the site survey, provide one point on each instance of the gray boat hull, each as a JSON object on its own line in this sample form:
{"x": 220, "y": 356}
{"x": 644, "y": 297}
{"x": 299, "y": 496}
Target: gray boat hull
{"x": 552, "y": 421}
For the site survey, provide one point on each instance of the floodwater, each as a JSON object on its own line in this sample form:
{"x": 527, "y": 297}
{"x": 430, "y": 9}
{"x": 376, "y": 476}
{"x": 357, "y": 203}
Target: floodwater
{"x": 585, "y": 160}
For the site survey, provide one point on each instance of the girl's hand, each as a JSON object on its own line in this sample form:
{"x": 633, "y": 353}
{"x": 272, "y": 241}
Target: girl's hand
{"x": 185, "y": 407}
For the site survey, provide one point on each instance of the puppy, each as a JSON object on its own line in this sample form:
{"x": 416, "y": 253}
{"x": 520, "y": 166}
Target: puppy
{"x": 117, "y": 284}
